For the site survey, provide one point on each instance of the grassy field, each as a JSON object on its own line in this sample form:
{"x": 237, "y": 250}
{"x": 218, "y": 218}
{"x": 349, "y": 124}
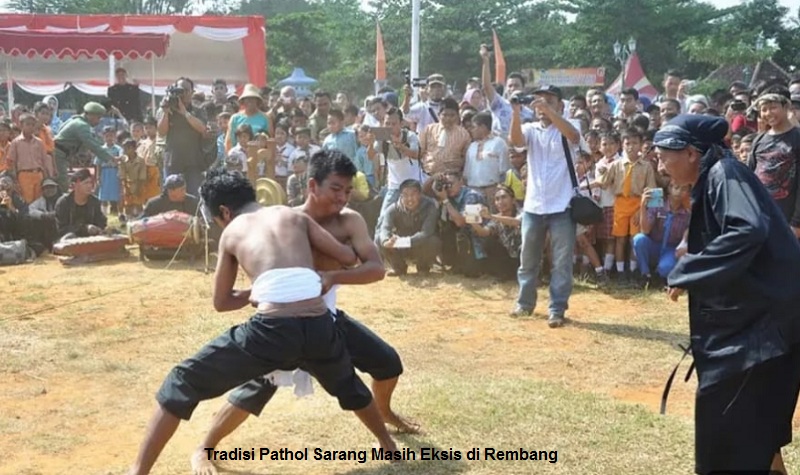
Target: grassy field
{"x": 85, "y": 349}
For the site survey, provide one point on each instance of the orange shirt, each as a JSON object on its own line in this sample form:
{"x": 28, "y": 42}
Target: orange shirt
{"x": 46, "y": 136}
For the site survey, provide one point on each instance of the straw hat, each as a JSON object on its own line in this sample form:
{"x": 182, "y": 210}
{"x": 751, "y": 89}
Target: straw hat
{"x": 250, "y": 91}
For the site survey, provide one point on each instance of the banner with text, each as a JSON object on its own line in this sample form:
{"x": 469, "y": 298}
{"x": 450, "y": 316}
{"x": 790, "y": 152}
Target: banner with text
{"x": 583, "y": 77}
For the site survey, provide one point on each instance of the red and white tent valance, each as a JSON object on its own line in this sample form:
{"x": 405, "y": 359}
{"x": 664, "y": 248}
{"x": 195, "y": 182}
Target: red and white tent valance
{"x": 76, "y": 45}
{"x": 203, "y": 48}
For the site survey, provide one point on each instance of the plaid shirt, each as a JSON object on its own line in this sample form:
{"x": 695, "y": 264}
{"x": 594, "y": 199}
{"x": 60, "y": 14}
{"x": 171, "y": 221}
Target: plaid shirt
{"x": 680, "y": 221}
{"x": 443, "y": 150}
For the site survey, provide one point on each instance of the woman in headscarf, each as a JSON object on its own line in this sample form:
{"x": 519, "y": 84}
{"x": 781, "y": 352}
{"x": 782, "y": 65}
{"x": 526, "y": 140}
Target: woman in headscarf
{"x": 55, "y": 123}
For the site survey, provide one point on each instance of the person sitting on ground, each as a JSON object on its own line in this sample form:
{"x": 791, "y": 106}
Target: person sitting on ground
{"x": 41, "y": 229}
{"x": 292, "y": 328}
{"x": 408, "y": 231}
{"x": 13, "y": 210}
{"x": 502, "y": 238}
{"x": 662, "y": 228}
{"x": 78, "y": 213}
{"x": 173, "y": 198}
{"x": 461, "y": 246}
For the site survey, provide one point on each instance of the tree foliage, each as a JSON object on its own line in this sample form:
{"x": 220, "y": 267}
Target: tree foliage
{"x": 334, "y": 40}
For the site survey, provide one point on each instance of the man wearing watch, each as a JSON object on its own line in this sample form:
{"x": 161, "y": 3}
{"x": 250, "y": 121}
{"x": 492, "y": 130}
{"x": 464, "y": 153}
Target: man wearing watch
{"x": 462, "y": 248}
{"x": 184, "y": 128}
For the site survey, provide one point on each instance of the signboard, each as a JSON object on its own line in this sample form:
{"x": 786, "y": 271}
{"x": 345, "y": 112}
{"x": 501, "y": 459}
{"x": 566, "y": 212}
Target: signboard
{"x": 584, "y": 77}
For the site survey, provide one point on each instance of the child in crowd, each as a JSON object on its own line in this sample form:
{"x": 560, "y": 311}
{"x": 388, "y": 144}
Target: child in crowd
{"x": 5, "y": 140}
{"x": 609, "y": 147}
{"x": 299, "y": 119}
{"x": 264, "y": 161}
{"x": 148, "y": 152}
{"x": 237, "y": 156}
{"x": 137, "y": 131}
{"x": 627, "y": 178}
{"x": 297, "y": 185}
{"x": 339, "y": 138}
{"x": 133, "y": 174}
{"x": 283, "y": 153}
{"x": 108, "y": 173}
{"x": 585, "y": 234}
{"x": 745, "y": 147}
{"x": 302, "y": 144}
{"x": 351, "y": 117}
{"x": 29, "y": 161}
{"x": 222, "y": 129}
{"x": 592, "y": 138}
{"x": 736, "y": 140}
{"x": 367, "y": 159}
{"x": 517, "y": 175}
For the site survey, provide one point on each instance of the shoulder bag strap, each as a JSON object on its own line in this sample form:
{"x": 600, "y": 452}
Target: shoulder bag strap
{"x": 570, "y": 165}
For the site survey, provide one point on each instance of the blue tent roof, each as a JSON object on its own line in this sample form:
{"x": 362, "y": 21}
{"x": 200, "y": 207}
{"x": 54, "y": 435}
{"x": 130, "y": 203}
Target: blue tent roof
{"x": 298, "y": 78}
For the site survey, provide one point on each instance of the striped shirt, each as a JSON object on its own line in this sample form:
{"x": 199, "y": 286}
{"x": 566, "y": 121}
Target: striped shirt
{"x": 443, "y": 150}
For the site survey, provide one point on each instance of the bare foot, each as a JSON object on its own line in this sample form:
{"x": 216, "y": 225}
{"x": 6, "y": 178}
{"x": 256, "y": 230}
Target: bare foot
{"x": 401, "y": 424}
{"x": 200, "y": 463}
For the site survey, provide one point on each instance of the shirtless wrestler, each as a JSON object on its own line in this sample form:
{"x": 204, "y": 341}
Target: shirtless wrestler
{"x": 292, "y": 327}
{"x": 330, "y": 183}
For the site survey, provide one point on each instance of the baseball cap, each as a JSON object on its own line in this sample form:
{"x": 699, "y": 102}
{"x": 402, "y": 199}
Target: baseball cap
{"x": 436, "y": 79}
{"x": 49, "y": 182}
{"x": 547, "y": 89}
{"x": 174, "y": 181}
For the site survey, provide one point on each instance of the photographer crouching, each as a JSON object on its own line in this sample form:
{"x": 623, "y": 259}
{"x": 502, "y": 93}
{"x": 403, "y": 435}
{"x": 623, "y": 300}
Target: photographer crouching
{"x": 462, "y": 248}
{"x": 188, "y": 150}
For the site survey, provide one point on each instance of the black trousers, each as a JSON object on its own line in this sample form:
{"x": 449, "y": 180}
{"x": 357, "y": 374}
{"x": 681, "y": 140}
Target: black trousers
{"x": 498, "y": 263}
{"x": 259, "y": 347}
{"x": 423, "y": 253}
{"x": 368, "y": 352}
{"x": 457, "y": 251}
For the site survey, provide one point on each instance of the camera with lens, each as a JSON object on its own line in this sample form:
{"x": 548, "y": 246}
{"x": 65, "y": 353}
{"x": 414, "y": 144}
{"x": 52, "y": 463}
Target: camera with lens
{"x": 752, "y": 114}
{"x": 520, "y": 99}
{"x": 738, "y": 106}
{"x": 441, "y": 184}
{"x": 173, "y": 96}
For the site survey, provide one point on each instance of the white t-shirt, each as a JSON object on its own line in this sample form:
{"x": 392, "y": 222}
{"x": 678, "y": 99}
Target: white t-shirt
{"x": 549, "y": 187}
{"x": 600, "y": 169}
{"x": 282, "y": 162}
{"x": 490, "y": 168}
{"x": 400, "y": 167}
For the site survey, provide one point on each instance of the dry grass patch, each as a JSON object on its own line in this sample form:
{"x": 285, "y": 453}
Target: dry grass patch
{"x": 79, "y": 378}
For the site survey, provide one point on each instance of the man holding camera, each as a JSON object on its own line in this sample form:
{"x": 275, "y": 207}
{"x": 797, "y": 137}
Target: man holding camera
{"x": 461, "y": 247}
{"x": 184, "y": 128}
{"x": 443, "y": 145}
{"x": 547, "y": 201}
{"x": 424, "y": 113}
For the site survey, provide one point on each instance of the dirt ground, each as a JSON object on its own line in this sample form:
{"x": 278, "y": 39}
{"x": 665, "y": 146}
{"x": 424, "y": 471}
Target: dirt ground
{"x": 86, "y": 348}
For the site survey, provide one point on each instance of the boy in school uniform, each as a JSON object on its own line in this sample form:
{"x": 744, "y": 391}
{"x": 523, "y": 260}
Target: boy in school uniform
{"x": 627, "y": 178}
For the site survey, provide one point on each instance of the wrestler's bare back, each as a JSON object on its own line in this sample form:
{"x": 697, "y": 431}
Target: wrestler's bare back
{"x": 279, "y": 237}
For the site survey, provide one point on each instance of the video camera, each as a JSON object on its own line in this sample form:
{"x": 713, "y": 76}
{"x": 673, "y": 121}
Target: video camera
{"x": 520, "y": 99}
{"x": 174, "y": 94}
{"x": 441, "y": 183}
{"x": 415, "y": 82}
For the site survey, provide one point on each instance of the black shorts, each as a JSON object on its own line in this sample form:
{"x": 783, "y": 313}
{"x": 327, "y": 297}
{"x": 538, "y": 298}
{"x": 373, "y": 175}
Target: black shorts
{"x": 368, "y": 352}
{"x": 760, "y": 405}
{"x": 261, "y": 346}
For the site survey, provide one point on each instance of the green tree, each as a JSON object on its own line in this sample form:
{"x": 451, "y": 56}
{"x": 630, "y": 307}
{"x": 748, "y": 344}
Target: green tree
{"x": 741, "y": 35}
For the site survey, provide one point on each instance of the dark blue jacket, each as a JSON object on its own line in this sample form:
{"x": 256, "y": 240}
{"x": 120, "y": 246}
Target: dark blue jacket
{"x": 741, "y": 272}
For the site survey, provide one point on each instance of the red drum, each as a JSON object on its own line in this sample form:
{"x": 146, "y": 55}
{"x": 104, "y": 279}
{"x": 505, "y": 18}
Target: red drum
{"x": 166, "y": 231}
{"x": 89, "y": 246}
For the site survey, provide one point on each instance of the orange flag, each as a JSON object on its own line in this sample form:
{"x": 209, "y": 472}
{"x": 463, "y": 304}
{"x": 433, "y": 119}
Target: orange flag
{"x": 380, "y": 56}
{"x": 499, "y": 61}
